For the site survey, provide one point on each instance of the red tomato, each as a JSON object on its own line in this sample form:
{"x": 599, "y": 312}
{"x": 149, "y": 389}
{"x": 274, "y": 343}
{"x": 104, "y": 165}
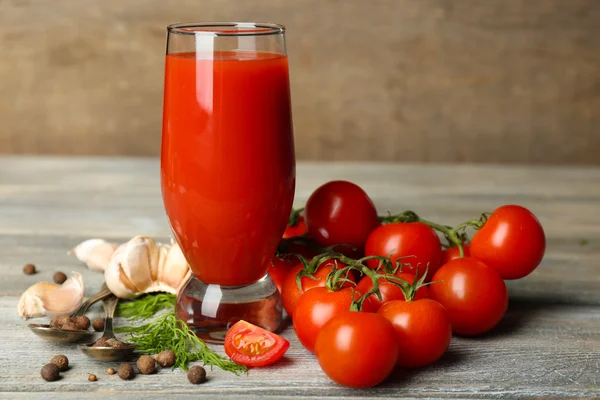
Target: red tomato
{"x": 390, "y": 291}
{"x": 298, "y": 229}
{"x": 317, "y": 306}
{"x": 423, "y": 330}
{"x": 278, "y": 270}
{"x": 511, "y": 241}
{"x": 340, "y": 212}
{"x": 413, "y": 239}
{"x": 453, "y": 252}
{"x": 290, "y": 292}
{"x": 474, "y": 295}
{"x": 254, "y": 346}
{"x": 294, "y": 245}
{"x": 357, "y": 349}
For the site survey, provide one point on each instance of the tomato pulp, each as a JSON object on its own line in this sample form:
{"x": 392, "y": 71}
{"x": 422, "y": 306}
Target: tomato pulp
{"x": 227, "y": 161}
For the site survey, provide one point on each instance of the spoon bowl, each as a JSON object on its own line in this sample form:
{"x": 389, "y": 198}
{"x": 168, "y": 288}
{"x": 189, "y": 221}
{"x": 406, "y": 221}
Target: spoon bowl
{"x": 56, "y": 335}
{"x": 108, "y": 353}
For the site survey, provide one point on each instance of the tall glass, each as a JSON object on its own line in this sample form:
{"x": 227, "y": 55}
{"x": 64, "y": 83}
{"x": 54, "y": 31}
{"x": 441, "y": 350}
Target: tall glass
{"x": 227, "y": 168}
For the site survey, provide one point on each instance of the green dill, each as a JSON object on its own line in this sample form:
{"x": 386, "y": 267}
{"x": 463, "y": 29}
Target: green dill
{"x": 167, "y": 332}
{"x": 583, "y": 242}
{"x": 146, "y": 306}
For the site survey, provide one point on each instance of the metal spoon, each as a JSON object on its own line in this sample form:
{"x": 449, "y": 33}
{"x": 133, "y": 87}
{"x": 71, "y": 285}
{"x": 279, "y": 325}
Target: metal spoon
{"x": 56, "y": 335}
{"x": 107, "y": 353}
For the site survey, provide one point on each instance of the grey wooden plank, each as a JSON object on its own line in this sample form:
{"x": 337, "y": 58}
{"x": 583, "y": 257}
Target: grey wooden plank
{"x": 539, "y": 349}
{"x": 546, "y": 346}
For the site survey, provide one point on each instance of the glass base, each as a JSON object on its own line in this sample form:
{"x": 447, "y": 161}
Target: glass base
{"x": 210, "y": 310}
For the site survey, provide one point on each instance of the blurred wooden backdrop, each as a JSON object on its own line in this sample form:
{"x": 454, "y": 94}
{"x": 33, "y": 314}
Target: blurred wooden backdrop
{"x": 515, "y": 81}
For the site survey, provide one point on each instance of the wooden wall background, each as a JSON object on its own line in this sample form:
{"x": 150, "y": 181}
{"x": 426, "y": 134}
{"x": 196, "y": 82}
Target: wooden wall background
{"x": 514, "y": 81}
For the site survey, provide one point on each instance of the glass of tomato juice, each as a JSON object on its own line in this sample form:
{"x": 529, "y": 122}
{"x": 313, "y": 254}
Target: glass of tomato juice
{"x": 228, "y": 168}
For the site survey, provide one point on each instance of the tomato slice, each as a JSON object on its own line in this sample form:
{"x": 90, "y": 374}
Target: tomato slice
{"x": 253, "y": 346}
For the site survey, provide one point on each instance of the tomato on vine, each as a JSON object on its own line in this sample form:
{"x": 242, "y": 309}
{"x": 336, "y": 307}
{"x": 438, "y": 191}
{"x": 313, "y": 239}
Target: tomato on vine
{"x": 340, "y": 212}
{"x": 357, "y": 349}
{"x": 453, "y": 252}
{"x": 474, "y": 295}
{"x": 296, "y": 225}
{"x": 388, "y": 290}
{"x": 423, "y": 330}
{"x": 278, "y": 270}
{"x": 511, "y": 241}
{"x": 290, "y": 292}
{"x": 414, "y": 240}
{"x": 317, "y": 306}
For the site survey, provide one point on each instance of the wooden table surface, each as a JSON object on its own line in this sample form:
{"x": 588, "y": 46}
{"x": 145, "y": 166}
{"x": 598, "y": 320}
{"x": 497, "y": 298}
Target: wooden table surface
{"x": 548, "y": 344}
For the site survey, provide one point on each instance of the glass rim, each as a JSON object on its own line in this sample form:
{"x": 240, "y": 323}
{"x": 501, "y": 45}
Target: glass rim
{"x": 235, "y": 28}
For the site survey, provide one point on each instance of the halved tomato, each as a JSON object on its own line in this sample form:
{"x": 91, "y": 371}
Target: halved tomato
{"x": 253, "y": 346}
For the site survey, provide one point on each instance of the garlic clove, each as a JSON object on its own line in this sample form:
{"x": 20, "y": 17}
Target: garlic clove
{"x": 175, "y": 269}
{"x": 144, "y": 266}
{"x": 30, "y": 304}
{"x": 96, "y": 253}
{"x": 66, "y": 299}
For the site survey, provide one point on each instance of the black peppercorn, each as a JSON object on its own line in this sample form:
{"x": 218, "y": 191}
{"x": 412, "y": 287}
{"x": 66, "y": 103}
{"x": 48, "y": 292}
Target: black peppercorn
{"x": 125, "y": 371}
{"x": 61, "y": 361}
{"x": 50, "y": 372}
{"x": 196, "y": 374}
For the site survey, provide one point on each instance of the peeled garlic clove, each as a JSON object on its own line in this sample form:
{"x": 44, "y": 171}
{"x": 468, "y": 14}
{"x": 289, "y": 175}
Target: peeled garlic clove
{"x": 96, "y": 253}
{"x": 30, "y": 304}
{"x": 66, "y": 299}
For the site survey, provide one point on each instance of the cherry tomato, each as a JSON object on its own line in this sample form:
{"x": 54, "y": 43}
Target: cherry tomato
{"x": 290, "y": 292}
{"x": 317, "y": 306}
{"x": 298, "y": 229}
{"x": 389, "y": 291}
{"x": 423, "y": 330}
{"x": 414, "y": 240}
{"x": 511, "y": 241}
{"x": 251, "y": 345}
{"x": 357, "y": 349}
{"x": 278, "y": 270}
{"x": 340, "y": 212}
{"x": 474, "y": 295}
{"x": 453, "y": 252}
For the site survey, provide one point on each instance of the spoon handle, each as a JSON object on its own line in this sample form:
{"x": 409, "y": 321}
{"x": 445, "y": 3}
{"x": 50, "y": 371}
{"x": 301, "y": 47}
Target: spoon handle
{"x": 110, "y": 305}
{"x": 103, "y": 293}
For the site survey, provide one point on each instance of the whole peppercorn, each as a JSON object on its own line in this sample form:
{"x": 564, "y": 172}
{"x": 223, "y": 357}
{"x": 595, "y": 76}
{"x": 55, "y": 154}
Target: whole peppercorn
{"x": 196, "y": 374}
{"x": 146, "y": 365}
{"x": 111, "y": 371}
{"x": 125, "y": 371}
{"x": 69, "y": 325}
{"x": 114, "y": 342}
{"x": 101, "y": 342}
{"x": 92, "y": 378}
{"x": 58, "y": 322}
{"x": 82, "y": 322}
{"x": 29, "y": 269}
{"x": 61, "y": 361}
{"x": 50, "y": 372}
{"x": 166, "y": 358}
{"x": 59, "y": 277}
{"x": 98, "y": 324}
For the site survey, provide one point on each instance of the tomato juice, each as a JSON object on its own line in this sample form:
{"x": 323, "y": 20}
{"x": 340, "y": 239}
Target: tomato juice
{"x": 227, "y": 160}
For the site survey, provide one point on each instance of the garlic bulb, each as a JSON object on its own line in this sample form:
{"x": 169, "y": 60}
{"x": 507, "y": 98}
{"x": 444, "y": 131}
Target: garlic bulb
{"x": 45, "y": 298}
{"x": 96, "y": 253}
{"x": 143, "y": 266}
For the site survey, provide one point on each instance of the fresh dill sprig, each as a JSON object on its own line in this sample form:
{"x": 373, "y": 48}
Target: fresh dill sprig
{"x": 146, "y": 306}
{"x": 167, "y": 332}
